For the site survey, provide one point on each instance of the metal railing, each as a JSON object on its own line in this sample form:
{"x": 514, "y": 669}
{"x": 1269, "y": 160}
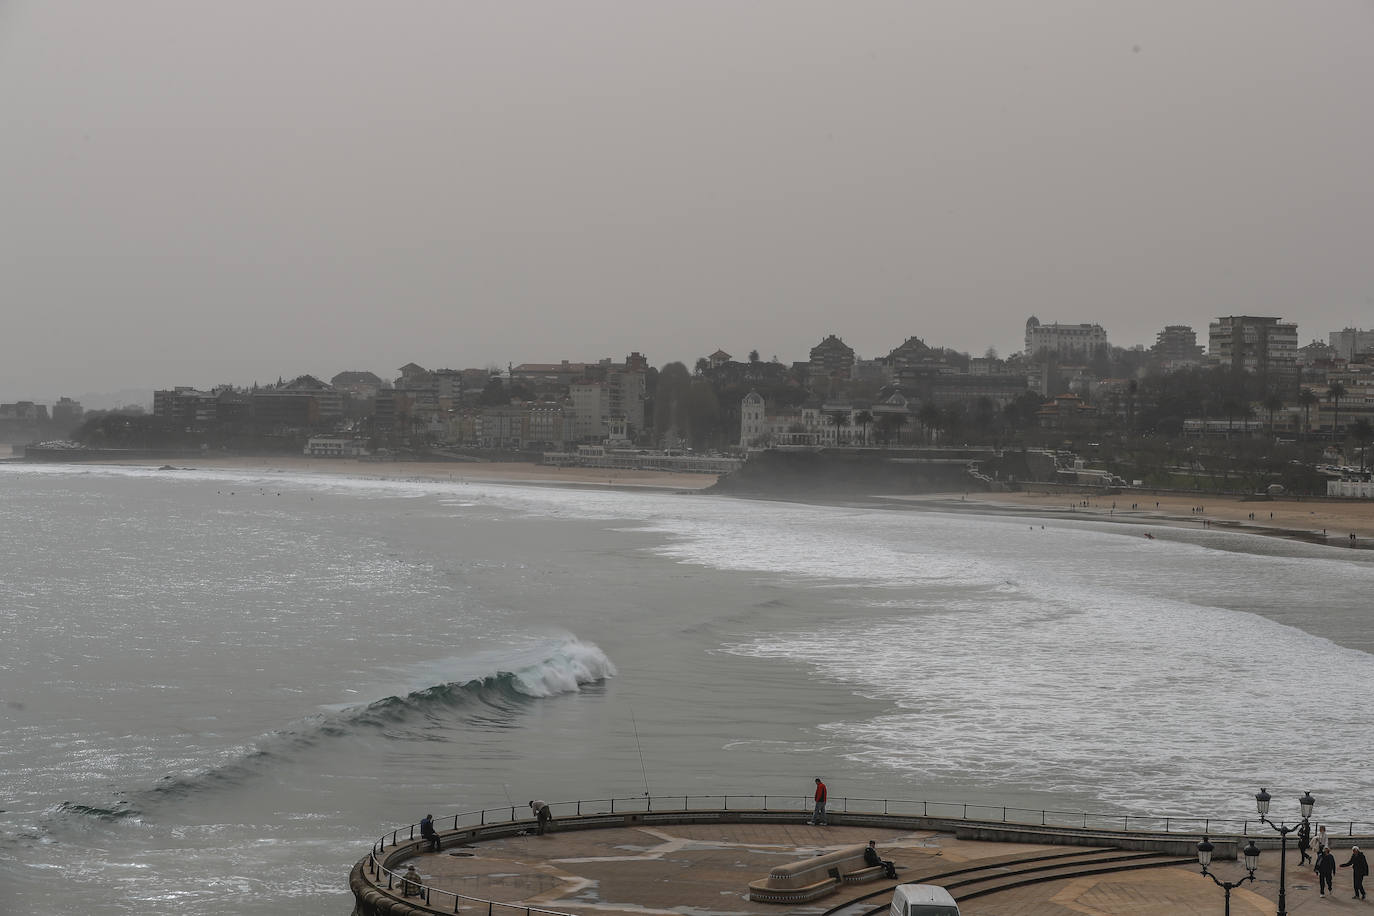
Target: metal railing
{"x": 802, "y": 804}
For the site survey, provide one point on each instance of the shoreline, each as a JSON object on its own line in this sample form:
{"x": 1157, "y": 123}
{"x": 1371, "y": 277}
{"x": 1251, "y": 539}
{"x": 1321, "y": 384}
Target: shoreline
{"x": 1314, "y": 521}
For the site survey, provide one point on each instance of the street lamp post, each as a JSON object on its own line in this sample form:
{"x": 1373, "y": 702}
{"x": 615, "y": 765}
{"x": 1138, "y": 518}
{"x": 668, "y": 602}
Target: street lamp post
{"x": 1262, "y": 805}
{"x": 1204, "y": 858}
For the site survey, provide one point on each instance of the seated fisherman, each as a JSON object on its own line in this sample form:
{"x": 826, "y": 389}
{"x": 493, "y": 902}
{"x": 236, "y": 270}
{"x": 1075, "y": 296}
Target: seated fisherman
{"x": 872, "y": 858}
{"x": 428, "y": 832}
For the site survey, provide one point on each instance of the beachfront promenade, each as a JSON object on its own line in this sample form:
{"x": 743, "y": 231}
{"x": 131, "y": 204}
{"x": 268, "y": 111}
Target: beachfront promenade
{"x": 698, "y": 855}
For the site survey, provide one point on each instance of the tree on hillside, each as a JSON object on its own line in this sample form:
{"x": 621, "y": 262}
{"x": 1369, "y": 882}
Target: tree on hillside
{"x": 1273, "y": 403}
{"x": 702, "y": 413}
{"x": 670, "y": 398}
{"x": 890, "y": 427}
{"x": 930, "y": 418}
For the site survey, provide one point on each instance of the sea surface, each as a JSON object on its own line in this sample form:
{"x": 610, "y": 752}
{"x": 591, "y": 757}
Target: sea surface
{"x": 219, "y": 688}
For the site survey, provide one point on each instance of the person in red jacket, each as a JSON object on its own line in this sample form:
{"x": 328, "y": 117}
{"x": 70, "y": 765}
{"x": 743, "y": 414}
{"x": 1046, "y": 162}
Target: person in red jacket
{"x": 818, "y": 816}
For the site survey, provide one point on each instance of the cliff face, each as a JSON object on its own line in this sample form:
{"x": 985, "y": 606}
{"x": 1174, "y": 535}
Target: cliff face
{"x": 797, "y": 474}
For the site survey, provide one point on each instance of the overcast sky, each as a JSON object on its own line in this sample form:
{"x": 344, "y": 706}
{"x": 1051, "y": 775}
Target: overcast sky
{"x": 204, "y": 192}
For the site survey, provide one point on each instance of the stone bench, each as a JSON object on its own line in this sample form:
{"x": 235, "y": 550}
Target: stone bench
{"x": 809, "y": 879}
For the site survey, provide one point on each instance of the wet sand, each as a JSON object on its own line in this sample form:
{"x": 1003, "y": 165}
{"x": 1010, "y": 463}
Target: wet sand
{"x": 1304, "y": 519}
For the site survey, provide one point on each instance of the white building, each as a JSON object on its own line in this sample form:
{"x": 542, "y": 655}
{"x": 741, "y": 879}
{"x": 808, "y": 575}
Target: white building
{"x": 1074, "y": 341}
{"x": 1351, "y": 342}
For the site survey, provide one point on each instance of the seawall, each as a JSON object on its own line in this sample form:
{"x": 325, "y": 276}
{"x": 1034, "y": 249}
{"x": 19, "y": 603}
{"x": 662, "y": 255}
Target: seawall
{"x": 787, "y": 474}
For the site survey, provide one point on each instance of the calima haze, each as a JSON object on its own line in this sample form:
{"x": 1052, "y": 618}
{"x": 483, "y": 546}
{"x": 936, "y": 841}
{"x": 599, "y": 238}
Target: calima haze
{"x": 205, "y": 193}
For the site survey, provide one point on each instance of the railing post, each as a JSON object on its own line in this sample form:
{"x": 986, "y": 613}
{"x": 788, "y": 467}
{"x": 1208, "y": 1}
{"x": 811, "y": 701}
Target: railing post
{"x": 612, "y": 811}
{"x": 965, "y": 810}
{"x": 1004, "y": 814}
{"x": 1042, "y": 817}
{"x": 579, "y": 807}
{"x": 924, "y": 811}
{"x": 1166, "y": 825}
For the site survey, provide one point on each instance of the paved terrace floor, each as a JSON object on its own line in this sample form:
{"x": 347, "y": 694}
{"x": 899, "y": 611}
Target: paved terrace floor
{"x": 704, "y": 870}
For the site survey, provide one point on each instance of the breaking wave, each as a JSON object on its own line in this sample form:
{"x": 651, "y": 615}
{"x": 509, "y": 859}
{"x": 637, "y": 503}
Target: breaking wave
{"x": 569, "y": 668}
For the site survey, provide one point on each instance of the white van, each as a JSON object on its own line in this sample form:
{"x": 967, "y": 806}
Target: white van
{"x": 922, "y": 900}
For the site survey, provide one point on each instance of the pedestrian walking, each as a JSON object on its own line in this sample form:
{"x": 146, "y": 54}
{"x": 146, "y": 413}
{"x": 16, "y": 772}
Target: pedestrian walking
{"x": 818, "y": 815}
{"x": 1305, "y": 842}
{"x": 1326, "y": 869}
{"x": 1321, "y": 840}
{"x": 1359, "y": 867}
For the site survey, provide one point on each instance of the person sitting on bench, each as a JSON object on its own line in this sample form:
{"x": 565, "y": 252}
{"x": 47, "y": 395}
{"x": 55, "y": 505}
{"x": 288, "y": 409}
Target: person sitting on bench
{"x": 871, "y": 858}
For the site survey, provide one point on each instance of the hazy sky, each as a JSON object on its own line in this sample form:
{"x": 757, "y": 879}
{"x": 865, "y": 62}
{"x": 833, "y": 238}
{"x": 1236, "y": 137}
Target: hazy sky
{"x": 198, "y": 192}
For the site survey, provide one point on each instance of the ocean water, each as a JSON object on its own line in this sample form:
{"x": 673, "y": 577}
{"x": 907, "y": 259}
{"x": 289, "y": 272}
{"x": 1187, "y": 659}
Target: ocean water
{"x": 218, "y": 688}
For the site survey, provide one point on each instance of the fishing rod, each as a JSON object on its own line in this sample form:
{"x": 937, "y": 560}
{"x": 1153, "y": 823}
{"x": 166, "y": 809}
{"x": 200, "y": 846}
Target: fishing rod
{"x": 642, "y": 769}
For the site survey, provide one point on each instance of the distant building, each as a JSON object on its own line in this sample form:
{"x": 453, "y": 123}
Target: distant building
{"x": 555, "y": 375}
{"x": 753, "y": 428}
{"x": 1352, "y": 342}
{"x": 1073, "y": 341}
{"x": 361, "y": 385}
{"x": 1267, "y": 346}
{"x": 305, "y": 402}
{"x": 1176, "y": 347}
{"x": 25, "y": 411}
{"x": 67, "y": 411}
{"x": 832, "y": 358}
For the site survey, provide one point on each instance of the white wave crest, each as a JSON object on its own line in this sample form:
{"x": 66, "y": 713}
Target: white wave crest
{"x": 572, "y": 664}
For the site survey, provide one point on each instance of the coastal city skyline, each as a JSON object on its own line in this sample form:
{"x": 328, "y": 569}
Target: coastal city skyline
{"x": 190, "y": 195}
{"x": 1346, "y": 343}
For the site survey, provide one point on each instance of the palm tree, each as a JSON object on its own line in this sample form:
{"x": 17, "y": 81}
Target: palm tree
{"x": 1306, "y": 397}
{"x": 864, "y": 418}
{"x": 1273, "y": 404}
{"x": 838, "y": 419}
{"x": 1335, "y": 393}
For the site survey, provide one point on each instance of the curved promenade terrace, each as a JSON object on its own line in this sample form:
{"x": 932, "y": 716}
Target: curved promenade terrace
{"x": 698, "y": 855}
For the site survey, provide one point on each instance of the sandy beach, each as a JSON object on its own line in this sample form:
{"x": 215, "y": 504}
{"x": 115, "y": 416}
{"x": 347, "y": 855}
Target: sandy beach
{"x": 1305, "y": 519}
{"x": 489, "y": 471}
